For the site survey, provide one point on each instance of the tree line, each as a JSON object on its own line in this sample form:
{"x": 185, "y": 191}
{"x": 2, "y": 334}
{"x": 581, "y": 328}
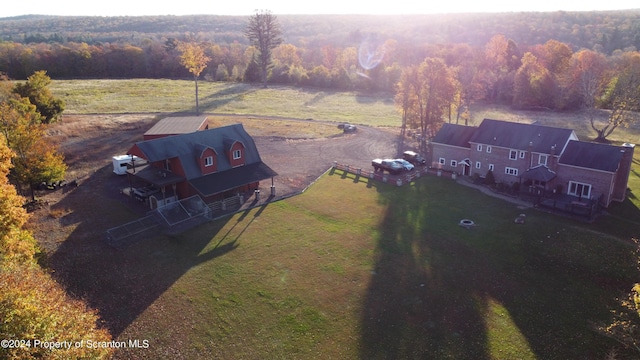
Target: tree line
{"x": 33, "y": 306}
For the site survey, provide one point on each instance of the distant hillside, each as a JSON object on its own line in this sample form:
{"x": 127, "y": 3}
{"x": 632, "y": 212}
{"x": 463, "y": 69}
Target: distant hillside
{"x": 606, "y": 31}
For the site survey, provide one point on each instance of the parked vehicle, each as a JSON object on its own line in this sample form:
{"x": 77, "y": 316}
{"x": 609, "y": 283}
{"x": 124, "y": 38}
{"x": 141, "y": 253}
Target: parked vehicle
{"x": 407, "y": 166}
{"x": 391, "y": 166}
{"x": 414, "y": 158}
{"x": 346, "y": 127}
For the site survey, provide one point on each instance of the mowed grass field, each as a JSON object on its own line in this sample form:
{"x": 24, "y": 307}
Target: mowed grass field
{"x": 358, "y": 269}
{"x": 375, "y": 109}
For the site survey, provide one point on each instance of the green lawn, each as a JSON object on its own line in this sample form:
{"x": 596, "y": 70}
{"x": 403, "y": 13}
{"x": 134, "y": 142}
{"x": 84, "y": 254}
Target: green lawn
{"x": 358, "y": 269}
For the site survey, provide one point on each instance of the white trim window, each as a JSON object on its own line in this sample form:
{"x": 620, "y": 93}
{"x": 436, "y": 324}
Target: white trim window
{"x": 543, "y": 159}
{"x": 491, "y": 167}
{"x": 478, "y": 164}
{"x": 488, "y": 149}
{"x": 479, "y": 147}
{"x": 454, "y": 163}
{"x": 522, "y": 154}
{"x": 237, "y": 154}
{"x": 208, "y": 161}
{"x": 513, "y": 154}
{"x": 511, "y": 171}
{"x": 579, "y": 189}
{"x": 442, "y": 161}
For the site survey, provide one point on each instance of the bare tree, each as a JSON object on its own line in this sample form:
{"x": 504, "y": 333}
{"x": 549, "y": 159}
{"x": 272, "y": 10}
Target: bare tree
{"x": 265, "y": 34}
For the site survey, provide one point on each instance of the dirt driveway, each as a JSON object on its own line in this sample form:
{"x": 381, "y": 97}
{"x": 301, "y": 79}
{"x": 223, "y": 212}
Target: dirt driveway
{"x": 299, "y": 162}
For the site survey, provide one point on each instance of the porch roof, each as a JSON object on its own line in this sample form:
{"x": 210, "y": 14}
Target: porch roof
{"x": 155, "y": 176}
{"x": 539, "y": 173}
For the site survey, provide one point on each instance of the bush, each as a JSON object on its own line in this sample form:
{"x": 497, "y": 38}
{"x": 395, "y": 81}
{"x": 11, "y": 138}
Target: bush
{"x": 490, "y": 179}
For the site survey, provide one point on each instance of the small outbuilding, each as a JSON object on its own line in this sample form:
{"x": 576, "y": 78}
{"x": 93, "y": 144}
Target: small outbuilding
{"x": 176, "y": 125}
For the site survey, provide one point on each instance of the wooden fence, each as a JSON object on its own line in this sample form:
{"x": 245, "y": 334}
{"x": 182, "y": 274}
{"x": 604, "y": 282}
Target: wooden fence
{"x": 399, "y": 179}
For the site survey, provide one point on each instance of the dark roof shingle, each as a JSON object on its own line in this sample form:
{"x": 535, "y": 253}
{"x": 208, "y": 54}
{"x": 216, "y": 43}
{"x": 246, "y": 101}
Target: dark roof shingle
{"x": 520, "y": 136}
{"x": 454, "y": 135}
{"x": 592, "y": 156}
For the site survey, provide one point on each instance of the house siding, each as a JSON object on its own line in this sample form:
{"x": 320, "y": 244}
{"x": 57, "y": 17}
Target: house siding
{"x": 601, "y": 182}
{"x": 448, "y": 153}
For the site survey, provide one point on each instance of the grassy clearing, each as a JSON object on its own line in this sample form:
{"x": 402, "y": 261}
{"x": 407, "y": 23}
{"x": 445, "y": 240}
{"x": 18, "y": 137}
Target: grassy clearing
{"x": 366, "y": 270}
{"x": 177, "y": 96}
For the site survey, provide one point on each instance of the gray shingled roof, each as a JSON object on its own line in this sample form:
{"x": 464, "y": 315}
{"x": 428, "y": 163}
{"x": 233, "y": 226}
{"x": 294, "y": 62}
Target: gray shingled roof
{"x": 454, "y": 135}
{"x": 519, "y": 136}
{"x": 188, "y": 148}
{"x": 177, "y": 125}
{"x": 592, "y": 156}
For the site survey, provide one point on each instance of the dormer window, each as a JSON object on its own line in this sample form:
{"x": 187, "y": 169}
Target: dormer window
{"x": 237, "y": 154}
{"x": 208, "y": 161}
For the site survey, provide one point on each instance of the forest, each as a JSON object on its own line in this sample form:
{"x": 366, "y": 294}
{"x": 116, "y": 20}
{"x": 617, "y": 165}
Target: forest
{"x": 492, "y": 54}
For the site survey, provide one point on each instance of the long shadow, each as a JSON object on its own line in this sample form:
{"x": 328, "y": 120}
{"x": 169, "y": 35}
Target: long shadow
{"x": 435, "y": 285}
{"x": 122, "y": 282}
{"x": 223, "y": 97}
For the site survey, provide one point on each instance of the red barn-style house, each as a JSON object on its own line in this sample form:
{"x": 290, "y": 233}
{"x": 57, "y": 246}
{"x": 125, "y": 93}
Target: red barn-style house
{"x": 212, "y": 163}
{"x": 544, "y": 158}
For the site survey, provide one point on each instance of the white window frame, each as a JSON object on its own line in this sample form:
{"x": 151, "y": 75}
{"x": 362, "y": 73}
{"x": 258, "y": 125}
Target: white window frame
{"x": 479, "y": 147}
{"x": 237, "y": 154}
{"x": 543, "y": 159}
{"x": 511, "y": 171}
{"x": 208, "y": 161}
{"x": 488, "y": 149}
{"x": 522, "y": 154}
{"x": 491, "y": 167}
{"x": 513, "y": 154}
{"x": 573, "y": 187}
{"x": 442, "y": 161}
{"x": 478, "y": 164}
{"x": 454, "y": 163}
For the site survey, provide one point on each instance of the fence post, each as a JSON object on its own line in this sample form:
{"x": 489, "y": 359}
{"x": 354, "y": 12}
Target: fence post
{"x": 335, "y": 164}
{"x": 384, "y": 178}
{"x": 399, "y": 182}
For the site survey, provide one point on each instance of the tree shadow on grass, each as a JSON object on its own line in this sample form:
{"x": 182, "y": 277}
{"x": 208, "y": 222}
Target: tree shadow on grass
{"x": 122, "y": 282}
{"x": 228, "y": 95}
{"x": 441, "y": 291}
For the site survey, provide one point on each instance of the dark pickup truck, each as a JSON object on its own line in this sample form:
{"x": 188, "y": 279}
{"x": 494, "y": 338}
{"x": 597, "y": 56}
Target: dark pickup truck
{"x": 414, "y": 158}
{"x": 387, "y": 165}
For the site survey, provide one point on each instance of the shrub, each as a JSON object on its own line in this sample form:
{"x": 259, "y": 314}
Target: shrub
{"x": 490, "y": 179}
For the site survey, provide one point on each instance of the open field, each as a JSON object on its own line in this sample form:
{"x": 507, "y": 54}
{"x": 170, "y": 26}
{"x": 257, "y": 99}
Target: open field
{"x": 349, "y": 269}
{"x": 177, "y": 96}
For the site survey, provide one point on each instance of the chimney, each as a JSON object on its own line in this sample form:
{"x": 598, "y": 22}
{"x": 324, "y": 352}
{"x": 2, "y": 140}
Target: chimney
{"x": 624, "y": 170}
{"x": 551, "y": 163}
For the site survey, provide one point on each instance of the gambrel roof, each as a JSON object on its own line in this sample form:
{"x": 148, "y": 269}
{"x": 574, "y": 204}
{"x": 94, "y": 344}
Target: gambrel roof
{"x": 188, "y": 148}
{"x": 518, "y": 136}
{"x": 592, "y": 156}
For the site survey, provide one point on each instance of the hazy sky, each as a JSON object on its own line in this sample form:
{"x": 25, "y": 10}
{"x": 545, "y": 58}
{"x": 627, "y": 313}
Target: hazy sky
{"x": 280, "y": 7}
